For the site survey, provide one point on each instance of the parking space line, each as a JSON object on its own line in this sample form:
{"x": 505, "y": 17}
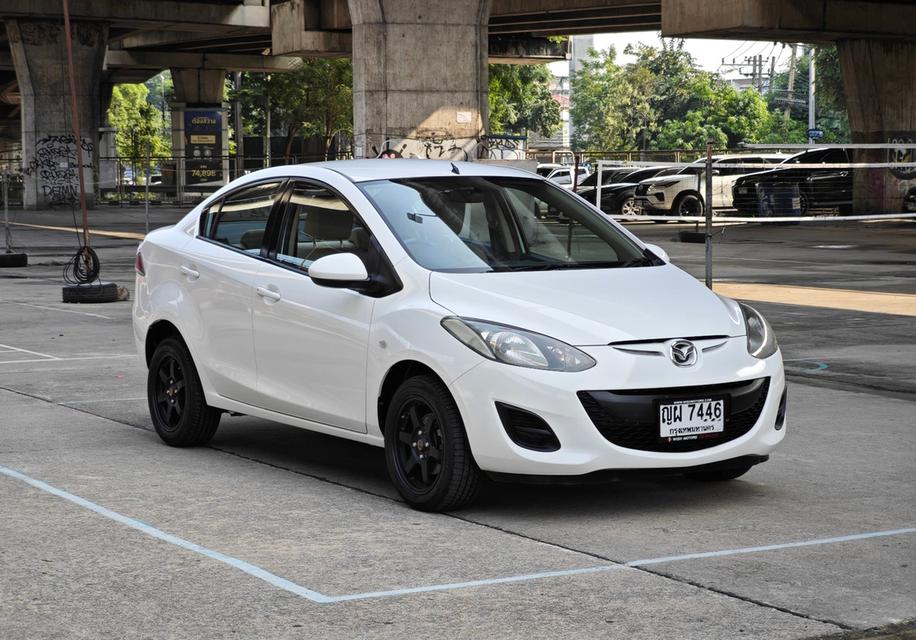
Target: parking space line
{"x": 82, "y": 313}
{"x": 83, "y": 401}
{"x": 241, "y": 565}
{"x": 44, "y": 356}
{"x": 113, "y": 356}
{"x": 314, "y": 596}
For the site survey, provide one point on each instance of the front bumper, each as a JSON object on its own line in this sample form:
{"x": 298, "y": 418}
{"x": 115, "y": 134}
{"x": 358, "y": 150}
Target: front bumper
{"x": 652, "y": 206}
{"x": 584, "y": 449}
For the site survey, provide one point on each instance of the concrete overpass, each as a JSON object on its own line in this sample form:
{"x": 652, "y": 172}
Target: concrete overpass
{"x": 419, "y": 66}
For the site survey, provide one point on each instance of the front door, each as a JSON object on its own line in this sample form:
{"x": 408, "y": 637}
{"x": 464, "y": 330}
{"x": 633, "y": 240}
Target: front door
{"x": 311, "y": 342}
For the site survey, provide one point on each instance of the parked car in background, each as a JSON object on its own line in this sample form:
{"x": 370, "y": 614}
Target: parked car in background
{"x": 817, "y": 188}
{"x": 618, "y": 198}
{"x": 546, "y": 168}
{"x": 608, "y": 175}
{"x": 564, "y": 175}
{"x": 683, "y": 194}
{"x": 424, "y": 307}
{"x": 909, "y": 201}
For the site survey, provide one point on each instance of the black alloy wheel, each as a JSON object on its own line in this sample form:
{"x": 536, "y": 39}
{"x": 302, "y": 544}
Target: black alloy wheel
{"x": 426, "y": 449}
{"x": 419, "y": 445}
{"x": 171, "y": 392}
{"x": 177, "y": 405}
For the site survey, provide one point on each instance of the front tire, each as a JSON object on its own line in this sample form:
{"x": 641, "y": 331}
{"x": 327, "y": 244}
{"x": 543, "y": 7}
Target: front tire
{"x": 179, "y": 411}
{"x": 688, "y": 205}
{"x": 426, "y": 449}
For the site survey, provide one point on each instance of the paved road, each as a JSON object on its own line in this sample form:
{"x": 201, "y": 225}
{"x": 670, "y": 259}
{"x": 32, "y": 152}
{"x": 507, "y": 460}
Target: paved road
{"x": 782, "y": 553}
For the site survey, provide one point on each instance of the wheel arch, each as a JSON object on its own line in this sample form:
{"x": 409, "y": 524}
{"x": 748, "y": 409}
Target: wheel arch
{"x": 394, "y": 377}
{"x": 157, "y": 332}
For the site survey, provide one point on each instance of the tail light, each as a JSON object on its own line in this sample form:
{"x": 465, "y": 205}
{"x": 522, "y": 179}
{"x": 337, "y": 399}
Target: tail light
{"x": 138, "y": 265}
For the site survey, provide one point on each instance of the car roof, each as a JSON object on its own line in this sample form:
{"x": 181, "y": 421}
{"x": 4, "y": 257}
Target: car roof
{"x": 396, "y": 168}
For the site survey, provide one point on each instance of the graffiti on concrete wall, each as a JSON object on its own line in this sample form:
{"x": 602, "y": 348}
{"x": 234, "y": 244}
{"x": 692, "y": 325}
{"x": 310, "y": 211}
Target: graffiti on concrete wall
{"x": 442, "y": 147}
{"x": 54, "y": 166}
{"x": 433, "y": 147}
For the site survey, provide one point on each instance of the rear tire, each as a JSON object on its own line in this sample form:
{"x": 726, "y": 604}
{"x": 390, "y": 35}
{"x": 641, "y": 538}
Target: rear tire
{"x": 426, "y": 448}
{"x": 177, "y": 406}
{"x": 719, "y": 475}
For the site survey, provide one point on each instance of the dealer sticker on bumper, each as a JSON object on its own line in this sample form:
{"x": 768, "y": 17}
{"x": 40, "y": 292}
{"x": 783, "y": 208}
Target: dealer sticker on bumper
{"x": 686, "y": 419}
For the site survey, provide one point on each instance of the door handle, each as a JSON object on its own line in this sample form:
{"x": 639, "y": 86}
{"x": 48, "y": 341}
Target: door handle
{"x": 191, "y": 272}
{"x": 269, "y": 294}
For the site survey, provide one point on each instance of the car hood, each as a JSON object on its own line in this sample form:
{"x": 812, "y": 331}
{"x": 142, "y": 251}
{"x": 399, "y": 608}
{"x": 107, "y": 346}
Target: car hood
{"x": 679, "y": 178}
{"x": 613, "y": 187}
{"x": 591, "y": 306}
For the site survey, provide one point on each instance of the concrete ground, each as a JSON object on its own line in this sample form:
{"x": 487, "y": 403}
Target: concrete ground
{"x": 274, "y": 532}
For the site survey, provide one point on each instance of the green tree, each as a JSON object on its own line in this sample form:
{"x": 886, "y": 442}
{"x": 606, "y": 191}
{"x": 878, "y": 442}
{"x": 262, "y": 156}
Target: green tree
{"x": 830, "y": 96}
{"x": 314, "y": 99}
{"x": 600, "y": 95}
{"x": 520, "y": 100}
{"x": 138, "y": 124}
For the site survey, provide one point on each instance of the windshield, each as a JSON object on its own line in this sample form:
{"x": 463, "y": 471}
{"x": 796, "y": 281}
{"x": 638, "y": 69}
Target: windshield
{"x": 481, "y": 224}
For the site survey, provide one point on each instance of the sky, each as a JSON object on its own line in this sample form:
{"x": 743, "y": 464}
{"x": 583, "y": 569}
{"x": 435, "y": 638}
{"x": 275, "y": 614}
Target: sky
{"x": 707, "y": 52}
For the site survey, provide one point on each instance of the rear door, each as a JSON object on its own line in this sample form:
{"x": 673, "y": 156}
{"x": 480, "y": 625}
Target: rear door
{"x": 311, "y": 342}
{"x": 217, "y": 268}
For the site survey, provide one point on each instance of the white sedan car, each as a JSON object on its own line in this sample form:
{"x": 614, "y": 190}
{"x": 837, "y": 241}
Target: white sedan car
{"x": 468, "y": 318}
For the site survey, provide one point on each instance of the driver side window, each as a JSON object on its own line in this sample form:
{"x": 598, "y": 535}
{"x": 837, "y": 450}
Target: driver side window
{"x": 319, "y": 223}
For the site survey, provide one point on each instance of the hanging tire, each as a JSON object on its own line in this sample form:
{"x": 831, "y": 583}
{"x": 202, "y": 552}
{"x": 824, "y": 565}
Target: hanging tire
{"x": 14, "y": 260}
{"x": 426, "y": 448}
{"x": 177, "y": 406}
{"x": 720, "y": 475}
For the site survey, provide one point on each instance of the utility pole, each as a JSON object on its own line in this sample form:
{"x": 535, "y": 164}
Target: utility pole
{"x": 812, "y": 90}
{"x": 237, "y": 125}
{"x": 267, "y": 124}
{"x": 791, "y": 79}
{"x": 772, "y": 74}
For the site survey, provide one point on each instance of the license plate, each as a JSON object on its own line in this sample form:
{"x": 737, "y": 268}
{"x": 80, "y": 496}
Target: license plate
{"x": 688, "y": 419}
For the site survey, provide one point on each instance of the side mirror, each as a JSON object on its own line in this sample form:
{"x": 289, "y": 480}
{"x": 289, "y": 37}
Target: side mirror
{"x": 661, "y": 253}
{"x": 339, "y": 270}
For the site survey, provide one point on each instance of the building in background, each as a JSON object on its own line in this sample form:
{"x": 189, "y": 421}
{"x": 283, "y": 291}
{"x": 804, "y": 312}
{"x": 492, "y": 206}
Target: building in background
{"x": 560, "y": 89}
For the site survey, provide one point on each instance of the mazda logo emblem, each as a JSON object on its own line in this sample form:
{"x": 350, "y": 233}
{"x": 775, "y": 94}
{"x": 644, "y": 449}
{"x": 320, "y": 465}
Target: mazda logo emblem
{"x": 683, "y": 353}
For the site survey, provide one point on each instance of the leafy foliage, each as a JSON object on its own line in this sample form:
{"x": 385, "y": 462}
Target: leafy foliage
{"x": 315, "y": 99}
{"x": 138, "y": 122}
{"x": 663, "y": 100}
{"x": 520, "y": 100}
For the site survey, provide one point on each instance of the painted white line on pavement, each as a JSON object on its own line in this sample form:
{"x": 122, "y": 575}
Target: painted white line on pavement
{"x": 77, "y": 401}
{"x": 82, "y": 313}
{"x": 43, "y": 356}
{"x": 241, "y": 565}
{"x": 314, "y": 596}
{"x": 113, "y": 356}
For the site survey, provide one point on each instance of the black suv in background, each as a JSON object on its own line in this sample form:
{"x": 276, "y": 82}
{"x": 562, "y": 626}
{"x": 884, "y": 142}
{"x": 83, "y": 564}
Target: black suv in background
{"x": 830, "y": 187}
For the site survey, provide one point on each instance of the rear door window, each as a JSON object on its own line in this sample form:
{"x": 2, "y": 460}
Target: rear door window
{"x": 240, "y": 219}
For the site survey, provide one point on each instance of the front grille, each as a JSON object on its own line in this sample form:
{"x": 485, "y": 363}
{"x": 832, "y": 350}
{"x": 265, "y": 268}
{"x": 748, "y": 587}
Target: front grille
{"x": 642, "y": 189}
{"x": 630, "y": 418}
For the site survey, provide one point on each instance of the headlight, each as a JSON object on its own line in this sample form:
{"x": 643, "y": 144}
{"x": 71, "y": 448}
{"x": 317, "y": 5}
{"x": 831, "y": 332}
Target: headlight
{"x": 517, "y": 347}
{"x": 761, "y": 343}
{"x": 663, "y": 185}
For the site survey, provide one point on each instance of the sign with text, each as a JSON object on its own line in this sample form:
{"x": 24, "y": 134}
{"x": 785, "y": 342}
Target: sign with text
{"x": 203, "y": 155}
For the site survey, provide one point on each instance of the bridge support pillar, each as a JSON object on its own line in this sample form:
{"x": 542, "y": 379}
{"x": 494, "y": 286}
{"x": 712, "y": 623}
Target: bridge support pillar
{"x": 879, "y": 77}
{"x": 50, "y": 151}
{"x": 419, "y": 77}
